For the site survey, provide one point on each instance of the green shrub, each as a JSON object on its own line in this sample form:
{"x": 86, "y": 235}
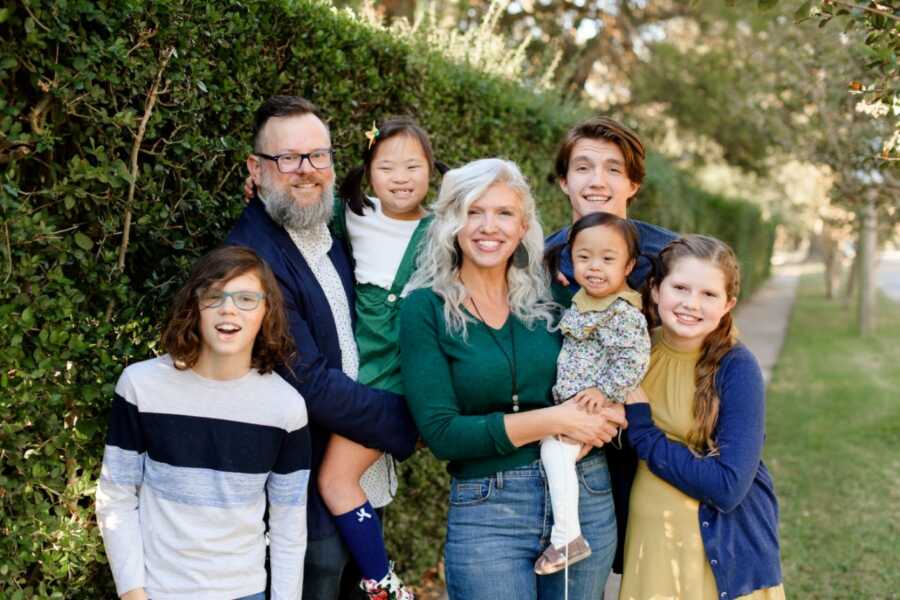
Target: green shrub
{"x": 77, "y": 77}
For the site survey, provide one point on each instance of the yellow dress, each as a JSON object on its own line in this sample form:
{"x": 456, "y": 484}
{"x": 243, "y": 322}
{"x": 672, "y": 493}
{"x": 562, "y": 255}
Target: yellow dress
{"x": 664, "y": 554}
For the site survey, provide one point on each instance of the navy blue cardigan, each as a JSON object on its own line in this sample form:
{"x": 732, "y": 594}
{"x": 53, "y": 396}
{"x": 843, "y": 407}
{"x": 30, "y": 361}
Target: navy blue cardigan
{"x": 738, "y": 514}
{"x": 336, "y": 404}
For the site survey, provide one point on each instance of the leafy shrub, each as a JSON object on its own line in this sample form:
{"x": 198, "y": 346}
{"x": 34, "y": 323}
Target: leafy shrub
{"x": 88, "y": 166}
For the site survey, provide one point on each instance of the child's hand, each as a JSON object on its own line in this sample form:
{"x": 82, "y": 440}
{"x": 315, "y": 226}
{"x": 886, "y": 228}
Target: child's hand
{"x": 637, "y": 396}
{"x": 249, "y": 189}
{"x": 562, "y": 279}
{"x": 591, "y": 400}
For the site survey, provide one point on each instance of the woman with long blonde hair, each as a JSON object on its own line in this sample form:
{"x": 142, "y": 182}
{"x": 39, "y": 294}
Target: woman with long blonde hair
{"x": 479, "y": 361}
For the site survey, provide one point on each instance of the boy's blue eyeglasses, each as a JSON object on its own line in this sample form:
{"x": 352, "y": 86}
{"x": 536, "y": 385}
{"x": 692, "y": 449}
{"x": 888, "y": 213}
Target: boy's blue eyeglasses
{"x": 243, "y": 300}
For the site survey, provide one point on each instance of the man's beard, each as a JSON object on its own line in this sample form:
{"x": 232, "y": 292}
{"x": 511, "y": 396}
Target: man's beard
{"x": 285, "y": 211}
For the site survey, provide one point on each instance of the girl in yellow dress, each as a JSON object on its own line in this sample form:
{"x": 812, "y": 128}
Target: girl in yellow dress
{"x": 703, "y": 519}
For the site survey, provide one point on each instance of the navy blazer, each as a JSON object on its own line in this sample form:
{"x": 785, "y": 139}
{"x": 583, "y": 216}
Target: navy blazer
{"x": 336, "y": 403}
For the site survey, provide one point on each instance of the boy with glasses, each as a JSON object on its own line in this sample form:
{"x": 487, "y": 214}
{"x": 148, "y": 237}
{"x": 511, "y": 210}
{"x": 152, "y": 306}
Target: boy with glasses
{"x": 202, "y": 441}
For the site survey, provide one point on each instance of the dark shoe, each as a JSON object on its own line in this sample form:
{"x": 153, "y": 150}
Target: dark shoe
{"x": 554, "y": 559}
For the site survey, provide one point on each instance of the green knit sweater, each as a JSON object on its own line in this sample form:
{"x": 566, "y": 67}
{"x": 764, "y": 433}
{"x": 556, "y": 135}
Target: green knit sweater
{"x": 458, "y": 390}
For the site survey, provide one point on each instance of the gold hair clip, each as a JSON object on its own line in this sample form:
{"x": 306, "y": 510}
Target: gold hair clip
{"x": 372, "y": 135}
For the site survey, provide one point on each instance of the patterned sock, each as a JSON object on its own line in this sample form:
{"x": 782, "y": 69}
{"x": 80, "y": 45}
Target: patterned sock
{"x": 361, "y": 531}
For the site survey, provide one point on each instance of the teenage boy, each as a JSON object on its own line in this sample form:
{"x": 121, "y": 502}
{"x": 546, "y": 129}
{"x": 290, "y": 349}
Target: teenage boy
{"x": 600, "y": 168}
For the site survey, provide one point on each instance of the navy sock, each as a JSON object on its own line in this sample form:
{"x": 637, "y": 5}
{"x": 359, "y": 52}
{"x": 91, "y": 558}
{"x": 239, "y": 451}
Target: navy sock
{"x": 361, "y": 531}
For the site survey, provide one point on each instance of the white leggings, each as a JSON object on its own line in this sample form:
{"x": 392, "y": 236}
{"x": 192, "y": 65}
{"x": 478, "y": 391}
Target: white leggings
{"x": 558, "y": 458}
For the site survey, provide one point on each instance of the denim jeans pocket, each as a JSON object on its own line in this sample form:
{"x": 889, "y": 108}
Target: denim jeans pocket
{"x": 594, "y": 476}
{"x": 468, "y": 492}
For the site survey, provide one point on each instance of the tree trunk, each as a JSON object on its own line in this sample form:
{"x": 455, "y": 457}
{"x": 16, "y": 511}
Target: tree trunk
{"x": 867, "y": 247}
{"x": 851, "y": 279}
{"x": 831, "y": 258}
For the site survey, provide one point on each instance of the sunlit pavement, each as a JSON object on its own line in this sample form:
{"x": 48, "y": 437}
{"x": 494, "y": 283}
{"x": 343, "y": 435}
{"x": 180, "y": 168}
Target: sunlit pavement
{"x": 762, "y": 319}
{"x": 888, "y": 274}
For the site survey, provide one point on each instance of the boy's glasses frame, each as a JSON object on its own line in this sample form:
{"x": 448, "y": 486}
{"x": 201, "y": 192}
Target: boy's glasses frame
{"x": 242, "y": 299}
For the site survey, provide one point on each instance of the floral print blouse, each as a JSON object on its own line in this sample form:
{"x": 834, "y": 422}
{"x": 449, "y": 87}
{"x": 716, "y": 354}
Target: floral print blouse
{"x": 605, "y": 345}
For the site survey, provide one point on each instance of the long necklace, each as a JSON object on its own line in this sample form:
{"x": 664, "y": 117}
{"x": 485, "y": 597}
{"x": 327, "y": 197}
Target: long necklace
{"x": 510, "y": 359}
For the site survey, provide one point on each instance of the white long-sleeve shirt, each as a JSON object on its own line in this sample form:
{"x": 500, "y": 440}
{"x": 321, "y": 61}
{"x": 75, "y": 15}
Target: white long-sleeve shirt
{"x": 188, "y": 468}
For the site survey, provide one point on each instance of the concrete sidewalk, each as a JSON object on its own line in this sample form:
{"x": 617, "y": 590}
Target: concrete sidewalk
{"x": 762, "y": 319}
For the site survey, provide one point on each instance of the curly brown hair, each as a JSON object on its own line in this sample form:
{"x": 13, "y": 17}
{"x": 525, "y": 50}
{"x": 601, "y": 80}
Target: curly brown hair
{"x": 717, "y": 343}
{"x": 181, "y": 335}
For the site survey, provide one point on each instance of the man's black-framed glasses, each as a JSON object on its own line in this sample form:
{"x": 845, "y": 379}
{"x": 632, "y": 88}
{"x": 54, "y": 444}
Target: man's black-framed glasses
{"x": 291, "y": 161}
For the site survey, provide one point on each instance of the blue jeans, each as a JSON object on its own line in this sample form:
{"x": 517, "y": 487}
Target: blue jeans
{"x": 499, "y": 525}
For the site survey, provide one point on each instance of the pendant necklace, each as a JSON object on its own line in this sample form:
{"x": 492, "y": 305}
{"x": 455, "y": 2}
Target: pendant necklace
{"x": 510, "y": 360}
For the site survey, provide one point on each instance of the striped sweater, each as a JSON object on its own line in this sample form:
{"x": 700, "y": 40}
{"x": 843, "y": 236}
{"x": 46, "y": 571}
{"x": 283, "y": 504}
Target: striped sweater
{"x": 189, "y": 467}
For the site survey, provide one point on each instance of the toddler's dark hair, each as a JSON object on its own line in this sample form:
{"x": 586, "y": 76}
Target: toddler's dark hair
{"x": 629, "y": 233}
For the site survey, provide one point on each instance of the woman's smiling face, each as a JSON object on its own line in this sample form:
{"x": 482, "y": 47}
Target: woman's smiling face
{"x": 495, "y": 224}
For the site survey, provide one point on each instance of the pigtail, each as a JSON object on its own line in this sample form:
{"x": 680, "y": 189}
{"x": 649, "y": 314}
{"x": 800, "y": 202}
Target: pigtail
{"x": 351, "y": 190}
{"x": 706, "y": 400}
{"x": 441, "y": 167}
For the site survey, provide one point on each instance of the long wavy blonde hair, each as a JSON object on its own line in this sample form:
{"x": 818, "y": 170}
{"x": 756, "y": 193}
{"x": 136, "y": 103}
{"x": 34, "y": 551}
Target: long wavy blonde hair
{"x": 440, "y": 258}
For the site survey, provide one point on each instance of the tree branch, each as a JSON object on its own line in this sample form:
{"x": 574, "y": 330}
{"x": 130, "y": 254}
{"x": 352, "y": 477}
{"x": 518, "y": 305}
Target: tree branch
{"x": 8, "y": 253}
{"x": 34, "y": 17}
{"x": 866, "y": 8}
{"x": 152, "y": 96}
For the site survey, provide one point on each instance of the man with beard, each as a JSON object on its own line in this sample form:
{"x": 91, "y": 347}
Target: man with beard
{"x": 286, "y": 223}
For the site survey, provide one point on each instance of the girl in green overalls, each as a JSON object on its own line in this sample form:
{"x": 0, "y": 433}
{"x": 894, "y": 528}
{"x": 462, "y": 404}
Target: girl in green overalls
{"x": 383, "y": 233}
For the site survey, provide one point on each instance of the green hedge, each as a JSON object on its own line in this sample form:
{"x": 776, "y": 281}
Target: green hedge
{"x": 76, "y": 76}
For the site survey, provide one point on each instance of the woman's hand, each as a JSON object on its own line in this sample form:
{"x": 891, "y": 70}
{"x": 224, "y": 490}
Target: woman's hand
{"x": 249, "y": 189}
{"x": 577, "y": 423}
{"x": 135, "y": 594}
{"x": 637, "y": 396}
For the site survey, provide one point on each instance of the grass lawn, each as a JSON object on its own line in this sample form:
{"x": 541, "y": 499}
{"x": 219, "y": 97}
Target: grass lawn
{"x": 834, "y": 450}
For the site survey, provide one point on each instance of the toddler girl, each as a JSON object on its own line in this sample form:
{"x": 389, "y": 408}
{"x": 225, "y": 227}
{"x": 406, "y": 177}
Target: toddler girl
{"x": 604, "y": 355}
